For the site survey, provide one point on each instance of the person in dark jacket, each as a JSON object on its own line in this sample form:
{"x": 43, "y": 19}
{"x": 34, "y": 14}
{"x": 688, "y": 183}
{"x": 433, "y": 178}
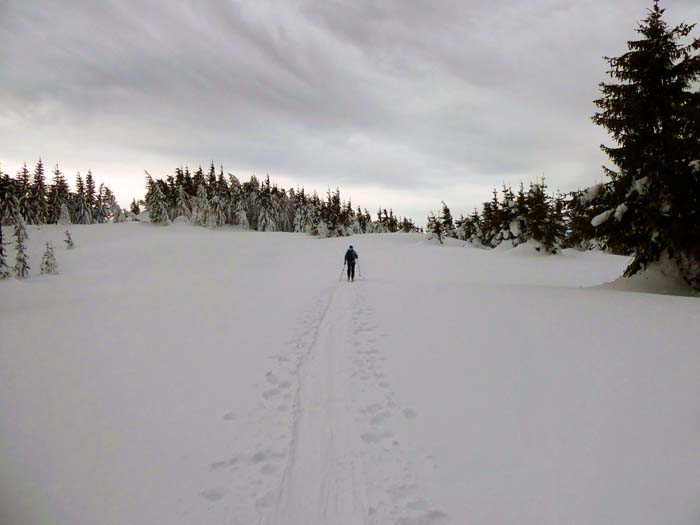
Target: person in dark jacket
{"x": 350, "y": 258}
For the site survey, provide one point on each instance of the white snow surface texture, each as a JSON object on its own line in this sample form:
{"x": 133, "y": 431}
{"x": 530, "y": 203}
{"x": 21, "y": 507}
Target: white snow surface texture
{"x": 182, "y": 375}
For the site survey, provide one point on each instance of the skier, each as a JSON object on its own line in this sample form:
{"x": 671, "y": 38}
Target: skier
{"x": 350, "y": 258}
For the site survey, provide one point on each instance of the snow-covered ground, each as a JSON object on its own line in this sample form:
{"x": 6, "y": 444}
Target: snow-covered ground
{"x": 185, "y": 376}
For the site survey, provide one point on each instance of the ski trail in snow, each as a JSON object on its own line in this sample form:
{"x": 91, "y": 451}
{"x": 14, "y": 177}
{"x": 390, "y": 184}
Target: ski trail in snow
{"x": 324, "y": 481}
{"x": 340, "y": 463}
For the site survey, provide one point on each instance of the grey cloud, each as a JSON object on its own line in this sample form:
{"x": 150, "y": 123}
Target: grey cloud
{"x": 394, "y": 94}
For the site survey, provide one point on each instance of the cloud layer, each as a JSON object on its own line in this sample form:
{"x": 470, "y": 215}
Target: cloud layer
{"x": 400, "y": 103}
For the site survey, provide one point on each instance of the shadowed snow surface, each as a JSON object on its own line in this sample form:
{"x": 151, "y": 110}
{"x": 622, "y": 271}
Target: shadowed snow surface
{"x": 180, "y": 375}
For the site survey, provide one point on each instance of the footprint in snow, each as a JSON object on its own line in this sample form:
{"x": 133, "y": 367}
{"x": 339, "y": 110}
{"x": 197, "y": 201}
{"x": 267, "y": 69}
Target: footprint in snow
{"x": 268, "y": 469}
{"x": 217, "y": 465}
{"x": 215, "y": 494}
{"x": 266, "y": 501}
{"x": 229, "y": 416}
{"x": 370, "y": 437}
{"x": 380, "y": 417}
{"x": 269, "y": 394}
{"x": 409, "y": 413}
{"x": 417, "y": 504}
{"x": 427, "y": 518}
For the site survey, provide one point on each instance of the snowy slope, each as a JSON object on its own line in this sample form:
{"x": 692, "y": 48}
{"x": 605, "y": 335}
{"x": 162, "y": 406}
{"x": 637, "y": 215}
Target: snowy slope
{"x": 180, "y": 375}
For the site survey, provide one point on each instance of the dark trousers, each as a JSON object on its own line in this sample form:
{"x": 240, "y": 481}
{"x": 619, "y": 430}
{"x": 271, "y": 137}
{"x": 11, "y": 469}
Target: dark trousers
{"x": 351, "y": 270}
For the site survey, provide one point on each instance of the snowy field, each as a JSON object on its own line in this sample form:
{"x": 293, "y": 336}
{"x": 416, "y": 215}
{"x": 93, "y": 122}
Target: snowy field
{"x": 177, "y": 375}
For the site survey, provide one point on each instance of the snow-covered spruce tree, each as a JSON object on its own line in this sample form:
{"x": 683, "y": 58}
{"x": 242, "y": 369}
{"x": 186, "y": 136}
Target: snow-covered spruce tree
{"x": 170, "y": 192}
{"x": 9, "y": 204}
{"x": 134, "y": 208}
{"x": 407, "y": 225}
{"x": 64, "y": 216}
{"x": 4, "y": 269}
{"x": 490, "y": 224}
{"x": 48, "y": 261}
{"x": 555, "y": 226}
{"x": 577, "y": 208}
{"x": 114, "y": 211}
{"x": 518, "y": 225}
{"x": 156, "y": 202}
{"x": 508, "y": 216}
{"x": 447, "y": 225}
{"x": 347, "y": 220}
{"x": 250, "y": 192}
{"x": 101, "y": 211}
{"x": 21, "y": 262}
{"x": 69, "y": 241}
{"x": 217, "y": 217}
{"x": 23, "y": 193}
{"x": 653, "y": 114}
{"x": 288, "y": 209}
{"x": 303, "y": 213}
{"x": 331, "y": 216}
{"x": 211, "y": 181}
{"x": 434, "y": 228}
{"x": 39, "y": 207}
{"x": 58, "y": 198}
{"x": 379, "y": 226}
{"x": 201, "y": 210}
{"x": 90, "y": 195}
{"x": 182, "y": 204}
{"x": 475, "y": 221}
{"x": 537, "y": 202}
{"x": 82, "y": 212}
{"x": 266, "y": 220}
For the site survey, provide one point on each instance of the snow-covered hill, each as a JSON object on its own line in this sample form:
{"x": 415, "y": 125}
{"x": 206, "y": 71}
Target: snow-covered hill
{"x": 186, "y": 376}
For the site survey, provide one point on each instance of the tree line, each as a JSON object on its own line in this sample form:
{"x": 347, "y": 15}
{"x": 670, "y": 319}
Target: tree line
{"x": 28, "y": 196}
{"x": 212, "y": 199}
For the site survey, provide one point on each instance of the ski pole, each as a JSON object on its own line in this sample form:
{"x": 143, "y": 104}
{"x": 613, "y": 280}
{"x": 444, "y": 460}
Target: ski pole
{"x": 358, "y": 268}
{"x": 341, "y": 273}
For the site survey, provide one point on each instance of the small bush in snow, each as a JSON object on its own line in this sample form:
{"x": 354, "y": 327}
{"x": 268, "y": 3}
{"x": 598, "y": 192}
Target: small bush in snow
{"x": 48, "y": 261}
{"x": 69, "y": 241}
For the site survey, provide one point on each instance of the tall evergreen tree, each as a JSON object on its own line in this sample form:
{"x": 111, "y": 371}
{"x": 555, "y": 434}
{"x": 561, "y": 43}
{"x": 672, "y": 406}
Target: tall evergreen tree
{"x": 9, "y": 203}
{"x": 23, "y": 193}
{"x": 538, "y": 214}
{"x": 651, "y": 111}
{"x": 201, "y": 210}
{"x": 40, "y": 211}
{"x": 21, "y": 261}
{"x": 182, "y": 204}
{"x": 156, "y": 202}
{"x": 447, "y": 226}
{"x": 82, "y": 212}
{"x": 434, "y": 227}
{"x": 90, "y": 195}
{"x": 217, "y": 218}
{"x": 58, "y": 196}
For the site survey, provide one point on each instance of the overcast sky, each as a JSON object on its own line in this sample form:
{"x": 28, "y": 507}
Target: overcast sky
{"x": 400, "y": 103}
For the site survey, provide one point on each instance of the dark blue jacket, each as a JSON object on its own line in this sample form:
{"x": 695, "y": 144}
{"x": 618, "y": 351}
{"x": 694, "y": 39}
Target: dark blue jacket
{"x": 351, "y": 256}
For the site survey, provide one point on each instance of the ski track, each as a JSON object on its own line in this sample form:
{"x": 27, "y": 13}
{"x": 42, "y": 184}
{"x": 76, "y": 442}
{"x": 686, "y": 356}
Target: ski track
{"x": 317, "y": 449}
